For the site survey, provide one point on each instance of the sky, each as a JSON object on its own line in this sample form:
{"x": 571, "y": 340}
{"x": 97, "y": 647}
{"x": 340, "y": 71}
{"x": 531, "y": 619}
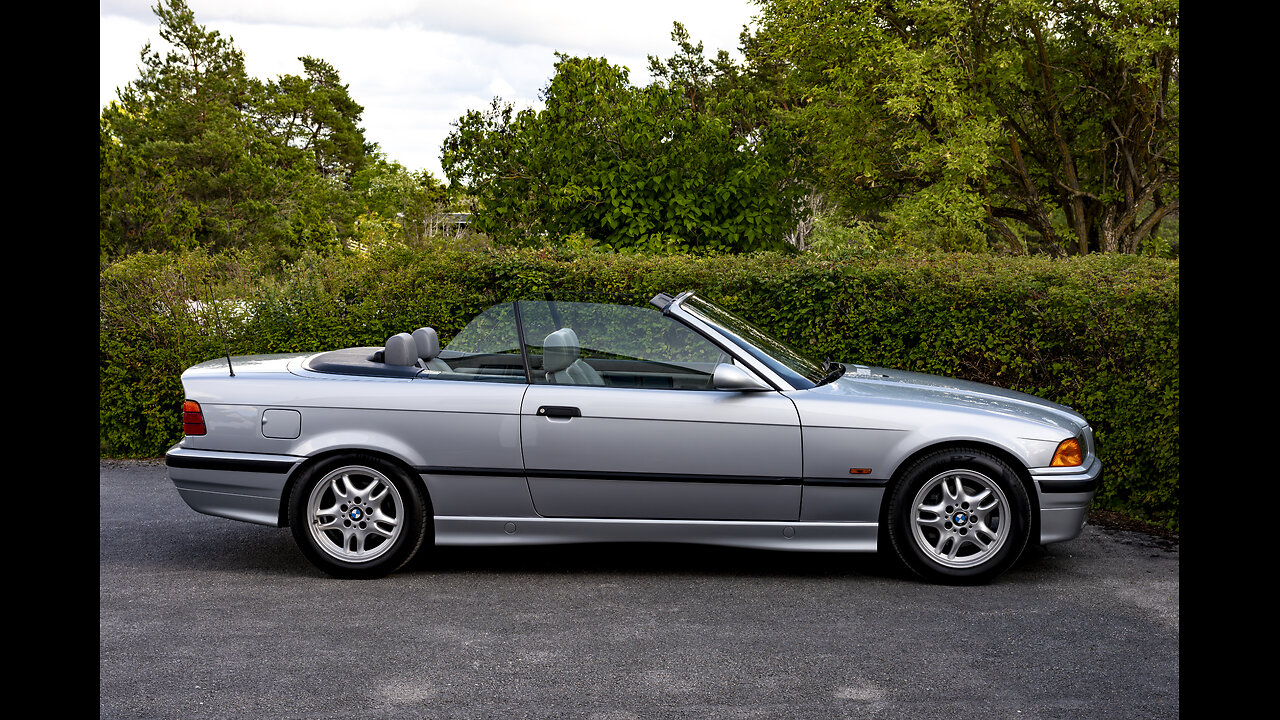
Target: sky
{"x": 418, "y": 65}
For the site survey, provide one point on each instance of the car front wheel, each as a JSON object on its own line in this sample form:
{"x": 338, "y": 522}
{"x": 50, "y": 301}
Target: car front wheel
{"x": 357, "y": 517}
{"x": 959, "y": 517}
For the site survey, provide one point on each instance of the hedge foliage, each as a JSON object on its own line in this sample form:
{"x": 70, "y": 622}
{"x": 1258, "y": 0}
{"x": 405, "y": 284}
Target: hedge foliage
{"x": 1099, "y": 333}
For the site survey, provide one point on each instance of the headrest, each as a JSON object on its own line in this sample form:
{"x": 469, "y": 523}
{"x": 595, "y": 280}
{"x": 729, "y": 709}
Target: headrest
{"x": 559, "y": 350}
{"x": 400, "y": 350}
{"x": 428, "y": 342}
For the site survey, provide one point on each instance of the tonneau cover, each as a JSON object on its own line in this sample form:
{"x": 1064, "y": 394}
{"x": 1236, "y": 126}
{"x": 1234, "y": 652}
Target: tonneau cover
{"x": 356, "y": 361}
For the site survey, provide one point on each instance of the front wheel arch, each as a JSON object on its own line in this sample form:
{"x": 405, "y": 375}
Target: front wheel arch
{"x": 1008, "y": 458}
{"x": 912, "y": 519}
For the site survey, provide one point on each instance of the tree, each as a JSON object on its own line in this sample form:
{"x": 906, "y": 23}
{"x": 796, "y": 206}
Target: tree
{"x": 317, "y": 115}
{"x": 195, "y": 153}
{"x": 417, "y": 202}
{"x": 632, "y": 167}
{"x": 958, "y": 119}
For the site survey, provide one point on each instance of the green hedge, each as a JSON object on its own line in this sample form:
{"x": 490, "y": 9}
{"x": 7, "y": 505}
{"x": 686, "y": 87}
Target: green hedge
{"x": 1098, "y": 333}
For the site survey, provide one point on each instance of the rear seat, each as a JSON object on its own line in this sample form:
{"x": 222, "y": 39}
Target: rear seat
{"x": 400, "y": 350}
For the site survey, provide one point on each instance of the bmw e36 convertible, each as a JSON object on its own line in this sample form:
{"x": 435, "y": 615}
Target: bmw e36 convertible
{"x": 554, "y": 421}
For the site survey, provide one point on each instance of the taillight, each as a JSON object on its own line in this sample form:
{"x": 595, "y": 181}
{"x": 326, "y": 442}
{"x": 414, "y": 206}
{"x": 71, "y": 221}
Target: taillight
{"x": 192, "y": 418}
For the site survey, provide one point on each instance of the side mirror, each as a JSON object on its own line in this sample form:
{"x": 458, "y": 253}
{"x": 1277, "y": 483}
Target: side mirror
{"x": 732, "y": 377}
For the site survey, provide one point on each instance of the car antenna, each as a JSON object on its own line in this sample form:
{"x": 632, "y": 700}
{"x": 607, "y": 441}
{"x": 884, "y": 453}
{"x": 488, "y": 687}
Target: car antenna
{"x": 218, "y": 319}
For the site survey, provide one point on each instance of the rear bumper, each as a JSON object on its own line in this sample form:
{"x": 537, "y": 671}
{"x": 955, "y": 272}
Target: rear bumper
{"x": 1065, "y": 495}
{"x": 239, "y": 486}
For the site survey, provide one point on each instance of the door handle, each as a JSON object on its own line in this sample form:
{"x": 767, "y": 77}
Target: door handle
{"x": 559, "y": 411}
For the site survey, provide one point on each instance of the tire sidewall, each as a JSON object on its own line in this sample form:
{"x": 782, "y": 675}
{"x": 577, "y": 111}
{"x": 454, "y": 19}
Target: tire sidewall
{"x": 901, "y": 516}
{"x": 404, "y": 547}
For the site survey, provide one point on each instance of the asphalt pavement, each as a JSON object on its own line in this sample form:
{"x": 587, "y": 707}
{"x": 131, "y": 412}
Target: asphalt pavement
{"x": 202, "y": 617}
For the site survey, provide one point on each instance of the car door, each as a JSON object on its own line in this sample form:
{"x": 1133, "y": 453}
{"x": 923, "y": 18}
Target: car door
{"x": 636, "y": 429}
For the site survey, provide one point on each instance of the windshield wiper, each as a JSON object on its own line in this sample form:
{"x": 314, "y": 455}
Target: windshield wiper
{"x": 831, "y": 370}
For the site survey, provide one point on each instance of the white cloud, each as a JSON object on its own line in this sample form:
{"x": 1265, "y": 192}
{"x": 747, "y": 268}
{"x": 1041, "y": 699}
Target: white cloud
{"x": 418, "y": 65}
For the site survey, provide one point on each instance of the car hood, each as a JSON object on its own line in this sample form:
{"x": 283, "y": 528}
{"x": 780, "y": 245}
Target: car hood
{"x": 912, "y": 389}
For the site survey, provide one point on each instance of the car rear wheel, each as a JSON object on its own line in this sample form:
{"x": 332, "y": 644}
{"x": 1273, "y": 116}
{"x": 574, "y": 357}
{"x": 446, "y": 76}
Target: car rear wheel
{"x": 357, "y": 517}
{"x": 959, "y": 517}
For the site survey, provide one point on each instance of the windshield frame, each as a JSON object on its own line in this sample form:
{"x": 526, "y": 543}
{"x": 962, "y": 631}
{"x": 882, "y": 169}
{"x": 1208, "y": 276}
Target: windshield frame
{"x": 780, "y": 359}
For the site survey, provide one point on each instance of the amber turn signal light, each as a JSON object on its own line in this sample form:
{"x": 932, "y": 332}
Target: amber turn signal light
{"x": 192, "y": 418}
{"x": 1068, "y": 454}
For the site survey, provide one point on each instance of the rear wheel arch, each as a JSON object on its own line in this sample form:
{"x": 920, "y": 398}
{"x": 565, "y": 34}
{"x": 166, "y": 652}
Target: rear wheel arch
{"x": 359, "y": 514}
{"x": 304, "y": 468}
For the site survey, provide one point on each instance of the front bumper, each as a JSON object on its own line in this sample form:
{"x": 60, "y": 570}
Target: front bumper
{"x": 235, "y": 485}
{"x": 1065, "y": 495}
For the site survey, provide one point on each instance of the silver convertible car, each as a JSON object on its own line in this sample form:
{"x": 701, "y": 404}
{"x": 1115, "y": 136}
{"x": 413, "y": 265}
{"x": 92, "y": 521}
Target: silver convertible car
{"x": 549, "y": 421}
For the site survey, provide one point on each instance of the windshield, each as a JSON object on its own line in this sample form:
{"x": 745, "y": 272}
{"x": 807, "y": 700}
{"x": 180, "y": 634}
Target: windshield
{"x": 796, "y": 369}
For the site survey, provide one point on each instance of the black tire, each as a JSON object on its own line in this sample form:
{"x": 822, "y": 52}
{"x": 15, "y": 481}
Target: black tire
{"x": 358, "y": 516}
{"x": 959, "y": 516}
